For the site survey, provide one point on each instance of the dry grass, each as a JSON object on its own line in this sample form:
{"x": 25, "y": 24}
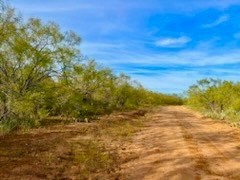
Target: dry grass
{"x": 93, "y": 157}
{"x": 73, "y": 151}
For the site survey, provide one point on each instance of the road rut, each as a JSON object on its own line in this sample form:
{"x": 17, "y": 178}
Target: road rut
{"x": 177, "y": 143}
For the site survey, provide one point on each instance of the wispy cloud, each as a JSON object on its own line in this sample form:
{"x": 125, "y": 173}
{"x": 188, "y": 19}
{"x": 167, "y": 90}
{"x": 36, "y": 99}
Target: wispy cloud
{"x": 116, "y": 5}
{"x": 218, "y": 21}
{"x": 179, "y": 81}
{"x": 121, "y": 53}
{"x": 150, "y": 40}
{"x": 173, "y": 42}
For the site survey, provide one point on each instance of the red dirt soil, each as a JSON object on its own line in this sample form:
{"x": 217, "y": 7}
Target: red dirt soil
{"x": 175, "y": 143}
{"x": 180, "y": 144}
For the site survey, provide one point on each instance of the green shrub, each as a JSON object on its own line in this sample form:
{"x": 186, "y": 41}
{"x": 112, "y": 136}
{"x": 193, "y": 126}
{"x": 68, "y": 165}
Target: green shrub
{"x": 40, "y": 79}
{"x": 216, "y": 99}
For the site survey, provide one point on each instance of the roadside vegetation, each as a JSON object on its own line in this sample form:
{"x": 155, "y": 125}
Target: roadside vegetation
{"x": 74, "y": 151}
{"x": 216, "y": 99}
{"x": 43, "y": 74}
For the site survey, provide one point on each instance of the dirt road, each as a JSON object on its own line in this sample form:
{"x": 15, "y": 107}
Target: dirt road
{"x": 178, "y": 144}
{"x": 172, "y": 143}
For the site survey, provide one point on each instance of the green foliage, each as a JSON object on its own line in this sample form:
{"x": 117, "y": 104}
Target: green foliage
{"x": 218, "y": 99}
{"x": 93, "y": 157}
{"x": 42, "y": 74}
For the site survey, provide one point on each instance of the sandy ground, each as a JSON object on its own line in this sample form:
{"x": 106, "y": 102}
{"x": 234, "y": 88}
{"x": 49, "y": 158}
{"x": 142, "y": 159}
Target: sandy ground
{"x": 179, "y": 144}
{"x": 174, "y": 143}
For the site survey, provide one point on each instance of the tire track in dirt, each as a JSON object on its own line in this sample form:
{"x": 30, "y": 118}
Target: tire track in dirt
{"x": 201, "y": 163}
{"x": 176, "y": 143}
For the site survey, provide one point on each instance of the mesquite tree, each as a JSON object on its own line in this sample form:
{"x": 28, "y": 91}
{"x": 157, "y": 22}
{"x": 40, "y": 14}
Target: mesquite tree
{"x": 30, "y": 52}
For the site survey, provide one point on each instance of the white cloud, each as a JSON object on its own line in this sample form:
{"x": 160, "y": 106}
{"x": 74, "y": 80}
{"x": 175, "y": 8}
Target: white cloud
{"x": 169, "y": 82}
{"x": 93, "y": 18}
{"x": 115, "y": 54}
{"x": 179, "y": 81}
{"x": 173, "y": 42}
{"x": 122, "y": 5}
{"x": 187, "y": 65}
{"x": 218, "y": 21}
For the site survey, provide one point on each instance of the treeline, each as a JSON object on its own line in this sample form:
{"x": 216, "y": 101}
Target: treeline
{"x": 216, "y": 98}
{"x": 42, "y": 74}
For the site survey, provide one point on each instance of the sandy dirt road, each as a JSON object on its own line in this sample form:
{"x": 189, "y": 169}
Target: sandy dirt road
{"x": 172, "y": 143}
{"x": 176, "y": 143}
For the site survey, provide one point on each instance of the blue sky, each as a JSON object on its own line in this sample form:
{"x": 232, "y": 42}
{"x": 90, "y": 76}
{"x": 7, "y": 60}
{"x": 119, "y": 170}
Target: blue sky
{"x": 165, "y": 45}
